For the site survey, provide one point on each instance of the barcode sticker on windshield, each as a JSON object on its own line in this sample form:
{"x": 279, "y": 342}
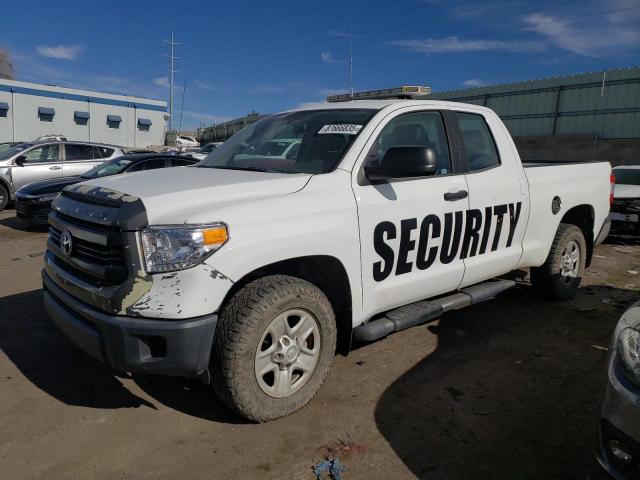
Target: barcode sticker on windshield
{"x": 348, "y": 128}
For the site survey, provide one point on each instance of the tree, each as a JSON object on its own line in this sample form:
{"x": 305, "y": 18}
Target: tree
{"x": 6, "y": 64}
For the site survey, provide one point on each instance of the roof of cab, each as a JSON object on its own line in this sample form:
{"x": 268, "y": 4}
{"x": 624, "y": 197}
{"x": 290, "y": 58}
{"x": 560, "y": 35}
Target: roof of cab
{"x": 382, "y": 103}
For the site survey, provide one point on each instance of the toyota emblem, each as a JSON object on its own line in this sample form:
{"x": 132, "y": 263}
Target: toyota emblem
{"x": 66, "y": 243}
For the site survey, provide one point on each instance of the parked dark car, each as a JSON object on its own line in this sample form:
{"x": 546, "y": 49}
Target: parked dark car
{"x": 620, "y": 420}
{"x": 33, "y": 201}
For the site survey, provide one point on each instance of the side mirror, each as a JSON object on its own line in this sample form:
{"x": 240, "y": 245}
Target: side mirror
{"x": 403, "y": 162}
{"x": 20, "y": 161}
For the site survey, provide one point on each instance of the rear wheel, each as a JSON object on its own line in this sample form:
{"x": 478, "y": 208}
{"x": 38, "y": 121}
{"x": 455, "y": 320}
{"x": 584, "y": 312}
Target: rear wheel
{"x": 274, "y": 344}
{"x": 559, "y": 277}
{"x": 4, "y": 197}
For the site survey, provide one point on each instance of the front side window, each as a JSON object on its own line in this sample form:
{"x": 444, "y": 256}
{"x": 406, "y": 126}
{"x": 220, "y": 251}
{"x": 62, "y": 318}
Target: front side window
{"x": 479, "y": 148}
{"x": 310, "y": 141}
{"x": 417, "y": 129}
{"x": 78, "y": 152}
{"x": 45, "y": 153}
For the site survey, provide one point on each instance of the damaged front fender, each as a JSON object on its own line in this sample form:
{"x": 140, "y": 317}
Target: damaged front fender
{"x": 188, "y": 293}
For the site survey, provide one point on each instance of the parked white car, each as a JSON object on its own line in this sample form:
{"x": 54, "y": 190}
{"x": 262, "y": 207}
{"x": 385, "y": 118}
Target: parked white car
{"x": 184, "y": 141}
{"x": 204, "y": 151}
{"x": 250, "y": 272}
{"x": 625, "y": 208}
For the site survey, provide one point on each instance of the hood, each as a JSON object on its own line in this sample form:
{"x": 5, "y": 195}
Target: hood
{"x": 626, "y": 191}
{"x": 174, "y": 195}
{"x": 52, "y": 185}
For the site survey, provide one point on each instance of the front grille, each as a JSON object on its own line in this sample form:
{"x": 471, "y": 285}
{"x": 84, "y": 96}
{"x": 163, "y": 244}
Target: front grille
{"x": 97, "y": 253}
{"x": 91, "y": 252}
{"x": 32, "y": 210}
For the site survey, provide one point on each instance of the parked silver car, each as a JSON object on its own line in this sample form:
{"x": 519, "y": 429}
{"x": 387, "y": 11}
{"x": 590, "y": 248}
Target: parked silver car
{"x": 620, "y": 422}
{"x": 34, "y": 161}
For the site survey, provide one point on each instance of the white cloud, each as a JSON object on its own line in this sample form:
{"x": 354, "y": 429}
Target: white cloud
{"x": 206, "y": 86}
{"x": 205, "y": 117}
{"x": 64, "y": 52}
{"x": 161, "y": 81}
{"x": 455, "y": 44}
{"x": 325, "y": 92}
{"x": 310, "y": 104}
{"x": 327, "y": 57}
{"x": 473, "y": 82}
{"x": 590, "y": 38}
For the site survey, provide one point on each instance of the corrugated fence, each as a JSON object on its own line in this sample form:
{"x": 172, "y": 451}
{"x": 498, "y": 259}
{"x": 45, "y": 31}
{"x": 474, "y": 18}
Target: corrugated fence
{"x": 603, "y": 104}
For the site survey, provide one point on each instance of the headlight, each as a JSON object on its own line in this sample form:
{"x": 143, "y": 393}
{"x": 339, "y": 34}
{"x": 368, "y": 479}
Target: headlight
{"x": 49, "y": 196}
{"x": 629, "y": 351}
{"x": 179, "y": 247}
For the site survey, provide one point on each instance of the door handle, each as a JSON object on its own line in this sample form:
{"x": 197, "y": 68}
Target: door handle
{"x": 453, "y": 196}
{"x": 55, "y": 167}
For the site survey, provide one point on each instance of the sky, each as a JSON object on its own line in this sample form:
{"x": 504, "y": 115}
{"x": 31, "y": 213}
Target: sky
{"x": 268, "y": 56}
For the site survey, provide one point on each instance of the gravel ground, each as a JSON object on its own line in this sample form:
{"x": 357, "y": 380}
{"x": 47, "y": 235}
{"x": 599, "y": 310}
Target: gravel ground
{"x": 509, "y": 389}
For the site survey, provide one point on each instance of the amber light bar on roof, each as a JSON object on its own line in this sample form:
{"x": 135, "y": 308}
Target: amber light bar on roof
{"x": 406, "y": 91}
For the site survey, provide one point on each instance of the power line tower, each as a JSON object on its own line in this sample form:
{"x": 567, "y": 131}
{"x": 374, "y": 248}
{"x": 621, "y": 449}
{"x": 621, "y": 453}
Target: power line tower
{"x": 171, "y": 70}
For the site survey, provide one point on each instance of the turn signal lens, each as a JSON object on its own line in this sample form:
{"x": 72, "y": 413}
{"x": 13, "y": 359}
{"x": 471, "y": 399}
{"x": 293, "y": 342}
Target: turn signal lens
{"x": 215, "y": 236}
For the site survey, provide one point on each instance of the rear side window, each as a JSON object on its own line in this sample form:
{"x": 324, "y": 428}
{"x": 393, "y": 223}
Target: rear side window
{"x": 479, "y": 148}
{"x": 78, "y": 152}
{"x": 103, "y": 152}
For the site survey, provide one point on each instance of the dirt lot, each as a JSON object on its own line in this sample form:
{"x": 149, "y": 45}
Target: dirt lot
{"x": 508, "y": 390}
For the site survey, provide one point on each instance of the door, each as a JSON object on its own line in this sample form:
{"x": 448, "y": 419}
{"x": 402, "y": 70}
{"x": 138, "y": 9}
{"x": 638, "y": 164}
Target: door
{"x": 79, "y": 158}
{"x": 498, "y": 205}
{"x": 410, "y": 234}
{"x": 42, "y": 162}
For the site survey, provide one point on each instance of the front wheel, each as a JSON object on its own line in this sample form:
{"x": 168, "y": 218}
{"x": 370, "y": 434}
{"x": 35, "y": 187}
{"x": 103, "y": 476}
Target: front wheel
{"x": 274, "y": 344}
{"x": 559, "y": 277}
{"x": 4, "y": 197}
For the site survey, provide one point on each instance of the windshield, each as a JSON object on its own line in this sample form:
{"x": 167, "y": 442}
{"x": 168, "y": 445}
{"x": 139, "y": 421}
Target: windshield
{"x": 627, "y": 176}
{"x": 10, "y": 152}
{"x": 311, "y": 141}
{"x": 208, "y": 148}
{"x": 112, "y": 167}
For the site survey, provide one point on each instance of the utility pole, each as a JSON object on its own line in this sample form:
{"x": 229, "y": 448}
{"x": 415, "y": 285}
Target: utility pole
{"x": 350, "y": 52}
{"x": 171, "y": 57}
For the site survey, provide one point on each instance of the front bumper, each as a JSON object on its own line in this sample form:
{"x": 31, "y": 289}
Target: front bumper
{"x": 620, "y": 423}
{"x": 132, "y": 344}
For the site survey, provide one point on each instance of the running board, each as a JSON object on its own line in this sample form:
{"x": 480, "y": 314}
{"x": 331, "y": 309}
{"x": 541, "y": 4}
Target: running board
{"x": 425, "y": 310}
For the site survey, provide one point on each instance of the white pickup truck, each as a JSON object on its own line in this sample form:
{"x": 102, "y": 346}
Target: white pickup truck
{"x": 251, "y": 274}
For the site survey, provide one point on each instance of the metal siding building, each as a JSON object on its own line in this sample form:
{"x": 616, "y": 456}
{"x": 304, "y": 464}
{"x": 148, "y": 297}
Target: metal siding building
{"x": 602, "y": 104}
{"x": 30, "y": 110}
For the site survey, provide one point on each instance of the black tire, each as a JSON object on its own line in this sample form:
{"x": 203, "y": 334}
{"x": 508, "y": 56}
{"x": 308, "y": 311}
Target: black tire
{"x": 4, "y": 197}
{"x": 550, "y": 279}
{"x": 241, "y": 328}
